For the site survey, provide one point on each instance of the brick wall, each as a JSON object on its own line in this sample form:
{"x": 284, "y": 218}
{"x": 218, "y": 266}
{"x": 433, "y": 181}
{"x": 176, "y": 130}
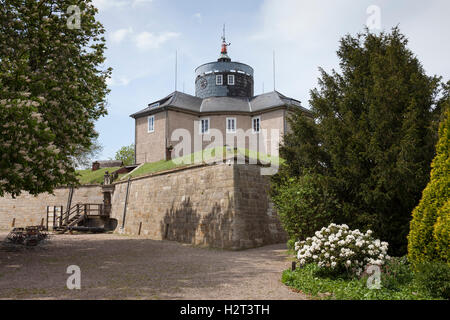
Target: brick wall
{"x": 29, "y": 210}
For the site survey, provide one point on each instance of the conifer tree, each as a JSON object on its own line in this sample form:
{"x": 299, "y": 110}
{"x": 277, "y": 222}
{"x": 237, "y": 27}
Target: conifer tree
{"x": 429, "y": 238}
{"x": 373, "y": 134}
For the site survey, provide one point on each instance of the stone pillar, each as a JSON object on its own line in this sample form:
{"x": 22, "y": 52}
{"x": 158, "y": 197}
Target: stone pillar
{"x": 107, "y": 191}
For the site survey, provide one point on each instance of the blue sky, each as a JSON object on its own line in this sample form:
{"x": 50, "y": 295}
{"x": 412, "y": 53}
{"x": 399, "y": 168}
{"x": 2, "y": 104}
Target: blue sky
{"x": 143, "y": 35}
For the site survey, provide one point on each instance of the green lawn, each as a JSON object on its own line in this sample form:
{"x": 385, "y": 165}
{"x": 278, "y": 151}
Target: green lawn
{"x": 94, "y": 177}
{"x": 307, "y": 280}
{"x": 191, "y": 159}
{"x": 208, "y": 155}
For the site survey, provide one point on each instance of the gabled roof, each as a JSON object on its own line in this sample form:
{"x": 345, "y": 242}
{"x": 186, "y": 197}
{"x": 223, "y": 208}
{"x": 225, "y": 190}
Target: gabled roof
{"x": 191, "y": 103}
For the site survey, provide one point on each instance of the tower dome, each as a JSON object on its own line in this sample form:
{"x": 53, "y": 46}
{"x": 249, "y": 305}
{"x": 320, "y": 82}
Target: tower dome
{"x": 224, "y": 78}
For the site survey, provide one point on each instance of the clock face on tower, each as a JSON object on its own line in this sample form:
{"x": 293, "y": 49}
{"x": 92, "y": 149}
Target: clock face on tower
{"x": 203, "y": 83}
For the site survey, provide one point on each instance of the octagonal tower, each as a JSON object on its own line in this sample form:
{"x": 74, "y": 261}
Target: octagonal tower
{"x": 224, "y": 78}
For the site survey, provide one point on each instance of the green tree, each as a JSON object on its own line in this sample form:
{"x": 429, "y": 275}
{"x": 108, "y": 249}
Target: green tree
{"x": 429, "y": 238}
{"x": 126, "y": 155}
{"x": 373, "y": 134}
{"x": 52, "y": 90}
{"x": 84, "y": 157}
{"x": 304, "y": 204}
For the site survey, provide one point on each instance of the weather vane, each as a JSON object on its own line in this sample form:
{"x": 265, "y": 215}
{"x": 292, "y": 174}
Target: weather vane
{"x": 224, "y": 43}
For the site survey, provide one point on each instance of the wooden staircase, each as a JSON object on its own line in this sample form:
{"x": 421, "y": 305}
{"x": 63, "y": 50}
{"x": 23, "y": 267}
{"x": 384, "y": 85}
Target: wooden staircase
{"x": 75, "y": 216}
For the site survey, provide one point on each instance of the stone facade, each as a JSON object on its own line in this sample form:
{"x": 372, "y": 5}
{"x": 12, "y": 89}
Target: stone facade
{"x": 222, "y": 206}
{"x": 29, "y": 210}
{"x": 150, "y": 146}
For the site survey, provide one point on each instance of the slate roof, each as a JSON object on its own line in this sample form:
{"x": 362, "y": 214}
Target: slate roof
{"x": 219, "y": 104}
{"x": 230, "y": 104}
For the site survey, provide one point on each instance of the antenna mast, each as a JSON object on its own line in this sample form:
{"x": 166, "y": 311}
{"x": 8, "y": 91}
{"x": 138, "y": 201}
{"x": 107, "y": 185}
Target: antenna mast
{"x": 274, "y": 70}
{"x": 176, "y": 69}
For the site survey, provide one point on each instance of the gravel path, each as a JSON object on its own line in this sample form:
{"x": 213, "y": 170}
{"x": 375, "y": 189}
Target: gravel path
{"x": 124, "y": 267}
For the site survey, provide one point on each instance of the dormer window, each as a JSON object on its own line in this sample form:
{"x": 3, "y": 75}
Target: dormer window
{"x": 231, "y": 79}
{"x": 219, "y": 79}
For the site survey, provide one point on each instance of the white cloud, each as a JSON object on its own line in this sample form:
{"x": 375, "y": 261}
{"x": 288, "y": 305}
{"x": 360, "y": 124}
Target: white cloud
{"x": 107, "y": 4}
{"x": 303, "y": 19}
{"x": 139, "y": 2}
{"x": 305, "y": 35}
{"x": 148, "y": 40}
{"x": 119, "y": 81}
{"x": 198, "y": 17}
{"x": 119, "y": 35}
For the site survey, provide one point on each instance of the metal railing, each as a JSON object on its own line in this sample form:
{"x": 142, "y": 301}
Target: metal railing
{"x": 78, "y": 212}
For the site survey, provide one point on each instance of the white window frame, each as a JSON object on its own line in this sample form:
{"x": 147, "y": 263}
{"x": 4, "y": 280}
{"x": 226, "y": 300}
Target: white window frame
{"x": 219, "y": 77}
{"x": 232, "y": 130}
{"x": 231, "y": 83}
{"x": 200, "y": 127}
{"x": 150, "y": 130}
{"x": 253, "y": 124}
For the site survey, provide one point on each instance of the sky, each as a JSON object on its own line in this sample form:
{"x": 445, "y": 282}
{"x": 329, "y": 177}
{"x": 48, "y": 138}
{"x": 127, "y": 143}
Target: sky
{"x": 143, "y": 37}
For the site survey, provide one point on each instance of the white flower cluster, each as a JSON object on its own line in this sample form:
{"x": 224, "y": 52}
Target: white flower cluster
{"x": 338, "y": 248}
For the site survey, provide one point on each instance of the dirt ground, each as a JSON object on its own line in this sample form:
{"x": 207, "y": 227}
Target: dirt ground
{"x": 124, "y": 267}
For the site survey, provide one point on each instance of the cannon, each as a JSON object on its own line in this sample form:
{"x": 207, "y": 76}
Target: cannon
{"x": 29, "y": 236}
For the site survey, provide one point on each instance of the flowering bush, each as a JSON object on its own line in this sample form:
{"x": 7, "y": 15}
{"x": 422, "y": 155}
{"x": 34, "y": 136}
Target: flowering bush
{"x": 338, "y": 249}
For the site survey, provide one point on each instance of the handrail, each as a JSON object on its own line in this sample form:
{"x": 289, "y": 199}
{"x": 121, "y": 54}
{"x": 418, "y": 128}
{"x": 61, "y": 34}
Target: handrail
{"x": 86, "y": 209}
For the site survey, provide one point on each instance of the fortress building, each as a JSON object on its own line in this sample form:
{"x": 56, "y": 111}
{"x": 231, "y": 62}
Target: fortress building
{"x": 224, "y": 103}
{"x": 206, "y": 204}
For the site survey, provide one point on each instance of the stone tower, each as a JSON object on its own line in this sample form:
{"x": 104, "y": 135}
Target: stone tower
{"x": 224, "y": 78}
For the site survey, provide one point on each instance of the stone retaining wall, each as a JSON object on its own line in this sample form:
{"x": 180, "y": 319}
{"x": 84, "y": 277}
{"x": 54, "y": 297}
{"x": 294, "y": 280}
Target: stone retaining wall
{"x": 222, "y": 206}
{"x": 29, "y": 210}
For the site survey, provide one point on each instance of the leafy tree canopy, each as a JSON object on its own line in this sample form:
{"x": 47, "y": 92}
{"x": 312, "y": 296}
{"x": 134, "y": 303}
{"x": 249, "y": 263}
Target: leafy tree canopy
{"x": 52, "y": 89}
{"x": 84, "y": 157}
{"x": 126, "y": 155}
